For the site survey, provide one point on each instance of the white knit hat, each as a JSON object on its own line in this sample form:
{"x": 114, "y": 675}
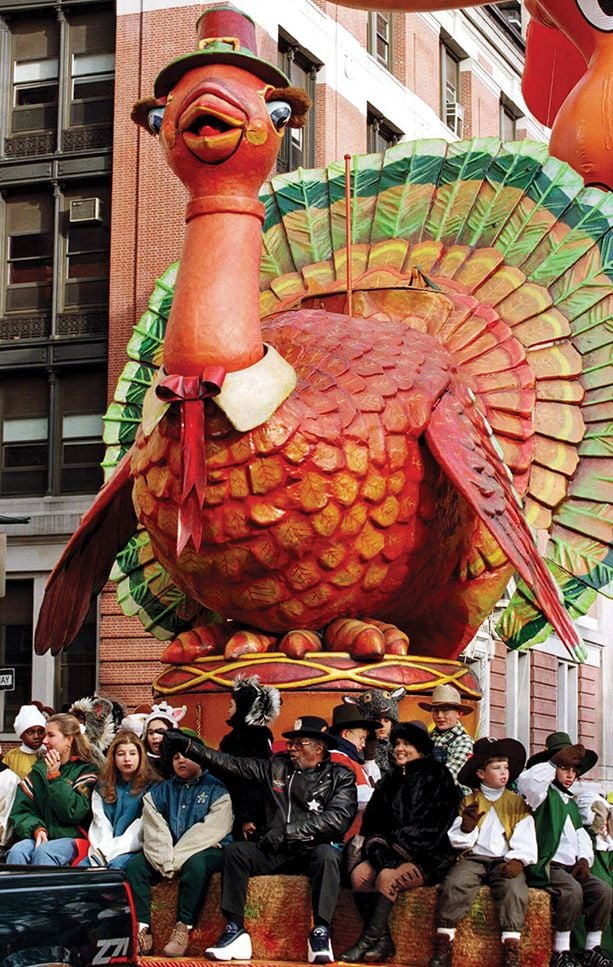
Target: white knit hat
{"x": 27, "y": 717}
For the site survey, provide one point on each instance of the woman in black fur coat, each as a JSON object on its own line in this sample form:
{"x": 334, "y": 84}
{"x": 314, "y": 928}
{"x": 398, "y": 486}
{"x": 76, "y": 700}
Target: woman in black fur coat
{"x": 405, "y": 837}
{"x": 253, "y": 707}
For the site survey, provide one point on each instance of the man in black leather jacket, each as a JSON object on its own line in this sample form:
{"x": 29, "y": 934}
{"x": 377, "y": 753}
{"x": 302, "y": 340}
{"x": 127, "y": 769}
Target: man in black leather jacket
{"x": 310, "y": 803}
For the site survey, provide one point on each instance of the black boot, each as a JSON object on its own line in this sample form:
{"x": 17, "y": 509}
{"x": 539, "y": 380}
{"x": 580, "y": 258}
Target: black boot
{"x": 376, "y": 942}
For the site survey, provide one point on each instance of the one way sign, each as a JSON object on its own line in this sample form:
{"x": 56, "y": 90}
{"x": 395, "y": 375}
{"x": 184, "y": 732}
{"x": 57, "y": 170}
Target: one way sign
{"x": 7, "y": 679}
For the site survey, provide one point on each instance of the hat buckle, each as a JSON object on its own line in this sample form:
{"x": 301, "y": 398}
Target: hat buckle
{"x": 232, "y": 42}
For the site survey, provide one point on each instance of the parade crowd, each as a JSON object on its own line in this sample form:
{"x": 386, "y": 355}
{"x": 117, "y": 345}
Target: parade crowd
{"x": 365, "y": 800}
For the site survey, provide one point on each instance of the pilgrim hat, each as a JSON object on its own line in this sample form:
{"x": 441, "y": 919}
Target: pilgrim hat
{"x": 311, "y": 727}
{"x": 486, "y": 749}
{"x": 347, "y": 716}
{"x": 445, "y": 695}
{"x": 225, "y": 36}
{"x": 415, "y": 733}
{"x": 555, "y": 743}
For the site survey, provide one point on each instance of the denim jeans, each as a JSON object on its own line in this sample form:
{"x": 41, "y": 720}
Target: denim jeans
{"x": 56, "y": 852}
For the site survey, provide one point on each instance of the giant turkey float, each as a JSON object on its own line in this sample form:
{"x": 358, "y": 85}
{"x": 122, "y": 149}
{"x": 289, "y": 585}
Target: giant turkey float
{"x": 349, "y": 406}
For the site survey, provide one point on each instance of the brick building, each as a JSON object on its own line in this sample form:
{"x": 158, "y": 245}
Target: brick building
{"x": 83, "y": 248}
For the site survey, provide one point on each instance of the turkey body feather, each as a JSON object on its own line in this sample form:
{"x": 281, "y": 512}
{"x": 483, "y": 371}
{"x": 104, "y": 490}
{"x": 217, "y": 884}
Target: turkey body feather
{"x": 382, "y": 485}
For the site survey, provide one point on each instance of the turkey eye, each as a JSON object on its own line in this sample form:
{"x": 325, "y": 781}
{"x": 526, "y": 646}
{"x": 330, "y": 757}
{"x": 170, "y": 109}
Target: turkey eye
{"x": 154, "y": 119}
{"x": 280, "y": 113}
{"x": 599, "y": 13}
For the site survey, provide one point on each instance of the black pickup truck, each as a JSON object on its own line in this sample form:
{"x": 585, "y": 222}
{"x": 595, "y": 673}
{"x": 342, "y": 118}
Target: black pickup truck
{"x": 63, "y": 917}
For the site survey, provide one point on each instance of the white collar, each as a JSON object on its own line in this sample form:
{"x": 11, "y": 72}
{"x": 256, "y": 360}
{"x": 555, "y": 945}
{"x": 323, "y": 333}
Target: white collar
{"x": 248, "y": 397}
{"x": 492, "y": 795}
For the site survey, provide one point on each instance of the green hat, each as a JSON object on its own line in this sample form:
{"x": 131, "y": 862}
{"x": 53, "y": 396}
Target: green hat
{"x": 225, "y": 36}
{"x": 555, "y": 743}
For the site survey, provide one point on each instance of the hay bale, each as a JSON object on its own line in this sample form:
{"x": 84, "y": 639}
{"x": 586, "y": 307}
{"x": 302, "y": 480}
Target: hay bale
{"x": 278, "y": 918}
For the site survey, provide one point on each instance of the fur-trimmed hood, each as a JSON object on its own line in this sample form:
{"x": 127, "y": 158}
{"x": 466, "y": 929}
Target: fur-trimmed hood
{"x": 256, "y": 704}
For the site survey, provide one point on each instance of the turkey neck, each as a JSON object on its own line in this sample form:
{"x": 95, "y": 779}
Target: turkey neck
{"x": 215, "y": 318}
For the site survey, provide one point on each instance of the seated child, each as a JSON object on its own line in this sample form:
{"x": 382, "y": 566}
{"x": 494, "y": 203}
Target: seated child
{"x": 186, "y": 821}
{"x": 116, "y": 830}
{"x": 565, "y": 850}
{"x": 9, "y": 781}
{"x": 30, "y": 729}
{"x": 52, "y": 808}
{"x": 495, "y": 831}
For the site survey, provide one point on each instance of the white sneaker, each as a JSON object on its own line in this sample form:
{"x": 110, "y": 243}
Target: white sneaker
{"x": 319, "y": 948}
{"x": 234, "y": 944}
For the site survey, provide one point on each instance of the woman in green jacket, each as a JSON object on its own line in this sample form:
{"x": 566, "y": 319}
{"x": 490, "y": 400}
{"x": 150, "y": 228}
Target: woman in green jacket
{"x": 52, "y": 808}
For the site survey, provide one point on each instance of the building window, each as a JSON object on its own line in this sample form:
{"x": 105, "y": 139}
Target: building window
{"x": 518, "y": 696}
{"x": 75, "y": 673}
{"x": 16, "y": 626}
{"x": 452, "y": 112}
{"x": 509, "y": 116}
{"x": 77, "y": 257}
{"x": 380, "y": 38}
{"x": 78, "y": 663}
{"x": 381, "y": 134}
{"x": 62, "y": 78}
{"x": 298, "y": 146}
{"x": 507, "y": 15}
{"x": 567, "y": 698}
{"x": 51, "y": 433}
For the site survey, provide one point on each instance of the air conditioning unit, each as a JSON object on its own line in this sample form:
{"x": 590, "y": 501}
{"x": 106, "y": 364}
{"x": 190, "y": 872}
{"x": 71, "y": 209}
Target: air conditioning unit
{"x": 454, "y": 117}
{"x": 85, "y": 210}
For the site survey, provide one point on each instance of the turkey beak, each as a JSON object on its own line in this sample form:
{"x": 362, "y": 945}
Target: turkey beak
{"x": 212, "y": 128}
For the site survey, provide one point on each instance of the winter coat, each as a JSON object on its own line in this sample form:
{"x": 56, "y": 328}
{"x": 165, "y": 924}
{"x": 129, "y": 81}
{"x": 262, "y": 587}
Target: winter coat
{"x": 181, "y": 818}
{"x": 117, "y": 827}
{"x": 249, "y": 741}
{"x": 9, "y": 781}
{"x": 411, "y": 809}
{"x": 61, "y": 805}
{"x": 311, "y": 806}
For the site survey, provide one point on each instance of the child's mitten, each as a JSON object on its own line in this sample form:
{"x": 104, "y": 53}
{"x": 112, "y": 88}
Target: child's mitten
{"x": 470, "y": 817}
{"x": 511, "y": 869}
{"x": 581, "y": 870}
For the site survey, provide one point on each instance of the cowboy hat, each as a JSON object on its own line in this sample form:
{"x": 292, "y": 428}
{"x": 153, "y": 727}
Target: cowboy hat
{"x": 347, "y": 716}
{"x": 557, "y": 741}
{"x": 311, "y": 727}
{"x": 445, "y": 695}
{"x": 486, "y": 749}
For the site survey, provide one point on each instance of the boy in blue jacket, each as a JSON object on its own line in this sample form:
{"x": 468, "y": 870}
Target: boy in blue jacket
{"x": 186, "y": 821}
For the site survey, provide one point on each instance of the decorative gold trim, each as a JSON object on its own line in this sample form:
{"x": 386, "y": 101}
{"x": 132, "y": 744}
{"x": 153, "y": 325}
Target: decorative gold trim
{"x": 360, "y": 675}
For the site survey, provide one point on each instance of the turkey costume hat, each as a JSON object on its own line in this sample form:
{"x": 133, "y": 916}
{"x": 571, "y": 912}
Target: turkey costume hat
{"x": 557, "y": 741}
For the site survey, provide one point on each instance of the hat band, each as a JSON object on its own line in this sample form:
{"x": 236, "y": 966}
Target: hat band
{"x": 232, "y": 42}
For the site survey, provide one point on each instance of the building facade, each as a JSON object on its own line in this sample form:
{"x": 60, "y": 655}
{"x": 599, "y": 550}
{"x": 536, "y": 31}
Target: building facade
{"x": 90, "y": 216}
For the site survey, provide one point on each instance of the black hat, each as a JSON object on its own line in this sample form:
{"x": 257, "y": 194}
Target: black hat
{"x": 311, "y": 727}
{"x": 347, "y": 716}
{"x": 415, "y": 733}
{"x": 486, "y": 749}
{"x": 555, "y": 743}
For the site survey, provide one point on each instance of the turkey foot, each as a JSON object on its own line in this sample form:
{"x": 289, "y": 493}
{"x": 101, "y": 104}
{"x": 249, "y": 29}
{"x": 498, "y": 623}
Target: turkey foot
{"x": 365, "y": 639}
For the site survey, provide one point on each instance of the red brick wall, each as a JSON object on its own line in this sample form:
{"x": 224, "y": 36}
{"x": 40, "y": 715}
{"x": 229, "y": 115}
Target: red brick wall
{"x": 481, "y": 107}
{"x": 423, "y": 71}
{"x": 498, "y": 692}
